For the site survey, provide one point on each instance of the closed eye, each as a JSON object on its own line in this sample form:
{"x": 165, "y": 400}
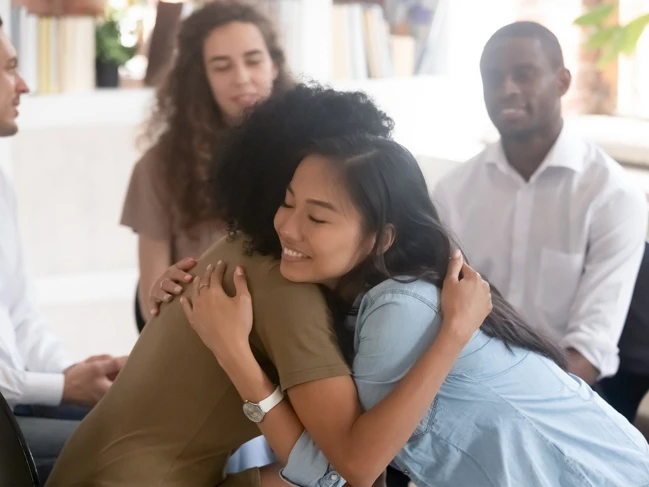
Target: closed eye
{"x": 315, "y": 220}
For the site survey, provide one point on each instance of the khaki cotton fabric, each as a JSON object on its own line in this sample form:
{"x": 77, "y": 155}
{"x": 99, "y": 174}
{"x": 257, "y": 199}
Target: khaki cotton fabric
{"x": 172, "y": 417}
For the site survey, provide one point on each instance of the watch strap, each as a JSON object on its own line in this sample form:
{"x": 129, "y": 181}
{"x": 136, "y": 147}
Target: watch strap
{"x": 271, "y": 401}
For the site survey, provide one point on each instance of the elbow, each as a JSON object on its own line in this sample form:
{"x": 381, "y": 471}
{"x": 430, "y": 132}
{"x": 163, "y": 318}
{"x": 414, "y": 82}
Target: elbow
{"x": 359, "y": 481}
{"x": 360, "y": 472}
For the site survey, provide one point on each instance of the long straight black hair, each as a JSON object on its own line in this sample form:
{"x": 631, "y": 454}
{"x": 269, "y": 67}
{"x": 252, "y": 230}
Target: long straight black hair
{"x": 387, "y": 187}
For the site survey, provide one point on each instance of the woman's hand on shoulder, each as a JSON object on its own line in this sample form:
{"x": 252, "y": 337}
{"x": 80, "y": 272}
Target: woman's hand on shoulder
{"x": 222, "y": 322}
{"x": 171, "y": 283}
{"x": 466, "y": 299}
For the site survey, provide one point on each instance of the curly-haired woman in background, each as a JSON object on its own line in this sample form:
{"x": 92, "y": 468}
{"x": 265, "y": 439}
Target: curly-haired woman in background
{"x": 228, "y": 58}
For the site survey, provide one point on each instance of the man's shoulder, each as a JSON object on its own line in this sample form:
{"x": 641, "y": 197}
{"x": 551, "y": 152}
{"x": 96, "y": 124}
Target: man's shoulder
{"x": 608, "y": 177}
{"x": 461, "y": 174}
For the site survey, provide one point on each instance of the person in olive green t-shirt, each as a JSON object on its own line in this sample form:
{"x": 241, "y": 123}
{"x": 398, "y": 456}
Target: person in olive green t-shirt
{"x": 173, "y": 417}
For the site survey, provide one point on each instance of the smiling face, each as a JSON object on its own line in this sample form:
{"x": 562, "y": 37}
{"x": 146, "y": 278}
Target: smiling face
{"x": 320, "y": 230}
{"x": 522, "y": 86}
{"x": 239, "y": 68}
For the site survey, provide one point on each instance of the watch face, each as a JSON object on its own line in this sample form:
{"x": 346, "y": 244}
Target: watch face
{"x": 253, "y": 412}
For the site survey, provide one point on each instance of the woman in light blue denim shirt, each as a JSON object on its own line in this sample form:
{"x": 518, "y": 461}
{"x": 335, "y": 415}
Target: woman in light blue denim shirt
{"x": 357, "y": 215}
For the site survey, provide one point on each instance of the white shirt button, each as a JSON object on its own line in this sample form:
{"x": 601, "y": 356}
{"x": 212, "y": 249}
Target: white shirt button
{"x": 333, "y": 477}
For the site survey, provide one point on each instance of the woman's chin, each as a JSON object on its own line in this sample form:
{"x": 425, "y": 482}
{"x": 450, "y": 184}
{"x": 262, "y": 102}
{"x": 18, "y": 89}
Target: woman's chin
{"x": 289, "y": 273}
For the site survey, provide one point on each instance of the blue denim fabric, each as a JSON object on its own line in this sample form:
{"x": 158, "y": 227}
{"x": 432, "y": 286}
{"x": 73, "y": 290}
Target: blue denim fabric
{"x": 502, "y": 418}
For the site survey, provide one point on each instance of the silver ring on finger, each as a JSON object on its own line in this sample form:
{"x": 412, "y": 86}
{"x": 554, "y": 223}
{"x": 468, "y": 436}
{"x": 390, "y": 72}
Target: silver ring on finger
{"x": 202, "y": 285}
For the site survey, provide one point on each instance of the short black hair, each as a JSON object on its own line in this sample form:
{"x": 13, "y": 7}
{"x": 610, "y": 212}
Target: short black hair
{"x": 548, "y": 40}
{"x": 249, "y": 178}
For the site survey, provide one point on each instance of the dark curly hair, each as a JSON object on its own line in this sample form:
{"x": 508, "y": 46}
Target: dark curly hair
{"x": 187, "y": 124}
{"x": 249, "y": 180}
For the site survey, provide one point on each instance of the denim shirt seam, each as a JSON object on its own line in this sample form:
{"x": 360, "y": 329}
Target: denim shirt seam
{"x": 403, "y": 292}
{"x": 540, "y": 433}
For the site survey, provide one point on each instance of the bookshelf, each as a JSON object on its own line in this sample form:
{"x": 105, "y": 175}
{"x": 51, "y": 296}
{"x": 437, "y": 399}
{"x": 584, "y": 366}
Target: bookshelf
{"x": 368, "y": 39}
{"x": 57, "y": 53}
{"x": 56, "y": 41}
{"x": 364, "y": 40}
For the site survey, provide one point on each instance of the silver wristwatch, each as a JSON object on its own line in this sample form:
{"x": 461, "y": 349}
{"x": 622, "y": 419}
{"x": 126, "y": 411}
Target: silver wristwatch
{"x": 255, "y": 412}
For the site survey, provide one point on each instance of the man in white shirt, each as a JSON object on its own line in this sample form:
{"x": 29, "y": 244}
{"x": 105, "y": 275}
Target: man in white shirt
{"x": 553, "y": 222}
{"x": 37, "y": 378}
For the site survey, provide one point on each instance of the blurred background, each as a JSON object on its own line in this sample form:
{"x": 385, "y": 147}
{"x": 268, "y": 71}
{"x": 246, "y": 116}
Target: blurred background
{"x": 92, "y": 66}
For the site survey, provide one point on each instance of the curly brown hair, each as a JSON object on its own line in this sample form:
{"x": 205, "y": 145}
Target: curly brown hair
{"x": 186, "y": 124}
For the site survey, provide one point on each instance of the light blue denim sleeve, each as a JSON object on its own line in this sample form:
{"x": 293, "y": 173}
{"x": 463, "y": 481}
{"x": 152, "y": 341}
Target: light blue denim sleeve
{"x": 308, "y": 467}
{"x": 397, "y": 323}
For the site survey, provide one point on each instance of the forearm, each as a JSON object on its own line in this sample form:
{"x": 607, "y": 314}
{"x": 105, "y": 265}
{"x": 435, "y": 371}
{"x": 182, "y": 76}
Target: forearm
{"x": 580, "y": 366}
{"x": 281, "y": 427}
{"x": 359, "y": 445}
{"x": 378, "y": 435}
{"x": 616, "y": 244}
{"x": 21, "y": 387}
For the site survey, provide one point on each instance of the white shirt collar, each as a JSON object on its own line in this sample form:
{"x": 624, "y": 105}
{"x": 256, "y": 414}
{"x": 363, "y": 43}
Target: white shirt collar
{"x": 568, "y": 151}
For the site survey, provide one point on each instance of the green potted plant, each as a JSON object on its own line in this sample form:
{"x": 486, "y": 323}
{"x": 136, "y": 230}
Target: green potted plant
{"x": 611, "y": 38}
{"x": 111, "y": 52}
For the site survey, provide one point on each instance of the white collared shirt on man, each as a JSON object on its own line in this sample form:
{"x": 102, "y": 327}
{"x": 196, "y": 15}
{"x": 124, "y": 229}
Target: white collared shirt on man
{"x": 32, "y": 359}
{"x": 564, "y": 247}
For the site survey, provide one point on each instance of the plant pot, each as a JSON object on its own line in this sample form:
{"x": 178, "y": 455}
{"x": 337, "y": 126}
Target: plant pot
{"x": 107, "y": 74}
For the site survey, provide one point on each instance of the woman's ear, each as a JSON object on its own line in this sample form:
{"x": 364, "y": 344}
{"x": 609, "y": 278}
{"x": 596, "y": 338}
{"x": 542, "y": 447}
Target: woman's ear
{"x": 387, "y": 238}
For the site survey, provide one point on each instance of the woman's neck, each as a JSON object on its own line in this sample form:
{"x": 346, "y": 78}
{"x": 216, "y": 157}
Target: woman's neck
{"x": 348, "y": 291}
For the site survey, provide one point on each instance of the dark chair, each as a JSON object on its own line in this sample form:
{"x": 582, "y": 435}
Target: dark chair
{"x": 634, "y": 342}
{"x": 139, "y": 319}
{"x": 17, "y": 468}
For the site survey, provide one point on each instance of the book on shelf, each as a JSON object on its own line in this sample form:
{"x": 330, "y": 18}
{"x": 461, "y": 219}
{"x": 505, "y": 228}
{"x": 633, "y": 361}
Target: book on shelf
{"x": 306, "y": 35}
{"x": 371, "y": 39}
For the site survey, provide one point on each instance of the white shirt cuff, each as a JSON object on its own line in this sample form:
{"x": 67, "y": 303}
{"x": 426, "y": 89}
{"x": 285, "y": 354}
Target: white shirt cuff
{"x": 43, "y": 389}
{"x": 601, "y": 355}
